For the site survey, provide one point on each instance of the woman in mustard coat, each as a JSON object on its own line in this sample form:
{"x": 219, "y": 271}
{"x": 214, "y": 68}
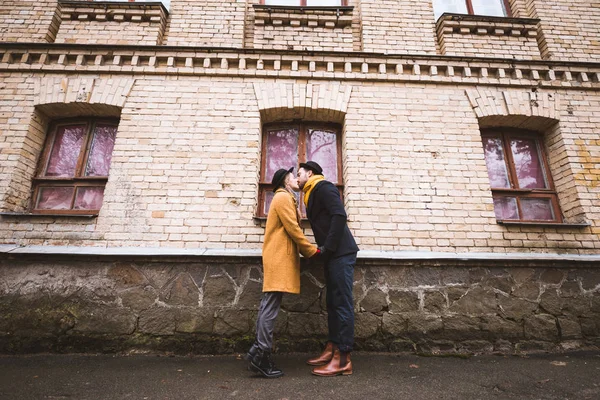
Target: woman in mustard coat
{"x": 281, "y": 267}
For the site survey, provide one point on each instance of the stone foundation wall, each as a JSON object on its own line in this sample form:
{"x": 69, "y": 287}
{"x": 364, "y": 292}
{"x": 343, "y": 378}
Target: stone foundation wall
{"x": 209, "y": 305}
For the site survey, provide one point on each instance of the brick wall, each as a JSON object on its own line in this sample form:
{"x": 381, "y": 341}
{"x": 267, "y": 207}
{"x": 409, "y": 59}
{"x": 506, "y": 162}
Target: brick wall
{"x": 28, "y": 20}
{"x": 477, "y": 36}
{"x": 116, "y": 23}
{"x": 321, "y": 30}
{"x": 568, "y": 29}
{"x": 206, "y": 23}
{"x": 391, "y": 26}
{"x": 184, "y": 169}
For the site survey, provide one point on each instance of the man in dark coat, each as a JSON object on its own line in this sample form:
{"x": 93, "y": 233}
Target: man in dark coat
{"x": 328, "y": 221}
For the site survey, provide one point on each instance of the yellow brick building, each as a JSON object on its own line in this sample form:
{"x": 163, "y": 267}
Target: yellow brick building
{"x": 138, "y": 140}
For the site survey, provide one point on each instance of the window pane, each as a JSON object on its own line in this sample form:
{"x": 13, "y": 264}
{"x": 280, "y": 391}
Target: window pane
{"x": 450, "y": 6}
{"x": 269, "y": 197}
{"x": 506, "y": 208}
{"x": 65, "y": 151}
{"x": 489, "y": 7}
{"x": 89, "y": 198}
{"x": 282, "y": 151}
{"x": 495, "y": 161}
{"x": 282, "y": 2}
{"x": 526, "y": 155}
{"x": 321, "y": 147}
{"x": 323, "y": 3}
{"x": 55, "y": 198}
{"x": 537, "y": 209}
{"x": 101, "y": 151}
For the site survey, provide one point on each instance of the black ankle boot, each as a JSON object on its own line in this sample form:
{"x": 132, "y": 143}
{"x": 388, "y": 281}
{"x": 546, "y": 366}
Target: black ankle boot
{"x": 263, "y": 364}
{"x": 252, "y": 352}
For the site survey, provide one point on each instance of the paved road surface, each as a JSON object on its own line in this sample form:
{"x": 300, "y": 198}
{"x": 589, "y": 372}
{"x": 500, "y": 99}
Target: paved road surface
{"x": 376, "y": 376}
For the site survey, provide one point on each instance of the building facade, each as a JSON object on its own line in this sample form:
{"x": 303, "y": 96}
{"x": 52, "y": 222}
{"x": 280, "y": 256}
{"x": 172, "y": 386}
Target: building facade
{"x": 138, "y": 140}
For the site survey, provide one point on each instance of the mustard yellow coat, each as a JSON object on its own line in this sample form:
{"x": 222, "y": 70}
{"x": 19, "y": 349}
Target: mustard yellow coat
{"x": 283, "y": 239}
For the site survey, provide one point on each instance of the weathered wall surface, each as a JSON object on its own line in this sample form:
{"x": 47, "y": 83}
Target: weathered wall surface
{"x": 206, "y": 23}
{"x": 210, "y": 305}
{"x": 405, "y": 27}
{"x": 187, "y": 154}
{"x": 28, "y": 20}
{"x": 569, "y": 29}
{"x": 111, "y": 23}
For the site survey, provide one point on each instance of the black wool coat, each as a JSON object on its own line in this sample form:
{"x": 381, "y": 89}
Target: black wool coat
{"x": 328, "y": 220}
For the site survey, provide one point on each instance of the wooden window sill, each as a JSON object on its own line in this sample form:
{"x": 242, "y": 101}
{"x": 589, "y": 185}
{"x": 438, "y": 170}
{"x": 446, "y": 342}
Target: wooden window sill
{"x": 24, "y": 215}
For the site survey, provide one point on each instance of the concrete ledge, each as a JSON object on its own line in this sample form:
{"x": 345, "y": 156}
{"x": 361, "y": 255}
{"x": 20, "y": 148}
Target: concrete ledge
{"x": 364, "y": 254}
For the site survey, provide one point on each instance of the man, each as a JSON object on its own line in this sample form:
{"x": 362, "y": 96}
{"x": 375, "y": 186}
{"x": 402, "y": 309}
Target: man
{"x": 328, "y": 221}
{"x": 281, "y": 267}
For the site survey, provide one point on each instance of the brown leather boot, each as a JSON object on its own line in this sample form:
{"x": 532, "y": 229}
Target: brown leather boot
{"x": 325, "y": 356}
{"x": 340, "y": 364}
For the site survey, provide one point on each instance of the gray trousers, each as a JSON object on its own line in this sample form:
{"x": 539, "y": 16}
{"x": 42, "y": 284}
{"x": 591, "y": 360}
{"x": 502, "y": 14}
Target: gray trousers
{"x": 270, "y": 303}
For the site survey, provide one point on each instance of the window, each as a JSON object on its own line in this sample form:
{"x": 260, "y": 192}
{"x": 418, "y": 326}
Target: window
{"x": 497, "y": 8}
{"x": 309, "y": 3}
{"x": 519, "y": 176}
{"x": 74, "y": 167}
{"x": 285, "y": 146}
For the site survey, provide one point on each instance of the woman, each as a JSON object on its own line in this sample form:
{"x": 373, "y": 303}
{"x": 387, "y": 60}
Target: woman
{"x": 281, "y": 267}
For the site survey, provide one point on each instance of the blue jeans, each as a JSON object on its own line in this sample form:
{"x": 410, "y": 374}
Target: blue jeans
{"x": 339, "y": 277}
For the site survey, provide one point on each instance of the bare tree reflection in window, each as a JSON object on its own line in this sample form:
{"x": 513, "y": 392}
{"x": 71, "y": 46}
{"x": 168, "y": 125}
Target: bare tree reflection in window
{"x": 527, "y": 164}
{"x": 282, "y": 150}
{"x": 322, "y": 148}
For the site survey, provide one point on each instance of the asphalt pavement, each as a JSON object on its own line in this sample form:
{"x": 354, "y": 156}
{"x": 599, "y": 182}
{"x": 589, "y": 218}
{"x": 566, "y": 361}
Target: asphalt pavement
{"x": 376, "y": 376}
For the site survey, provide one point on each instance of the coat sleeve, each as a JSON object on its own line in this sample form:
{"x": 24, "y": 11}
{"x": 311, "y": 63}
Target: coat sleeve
{"x": 330, "y": 199}
{"x": 284, "y": 206}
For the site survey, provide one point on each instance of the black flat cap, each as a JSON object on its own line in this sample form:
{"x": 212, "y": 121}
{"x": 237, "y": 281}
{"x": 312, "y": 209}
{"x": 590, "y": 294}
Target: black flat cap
{"x": 313, "y": 166}
{"x": 279, "y": 177}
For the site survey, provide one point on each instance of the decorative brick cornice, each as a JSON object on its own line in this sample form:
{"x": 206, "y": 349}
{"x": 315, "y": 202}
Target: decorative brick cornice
{"x": 482, "y": 25}
{"x": 328, "y": 17}
{"x": 163, "y": 60}
{"x": 102, "y": 11}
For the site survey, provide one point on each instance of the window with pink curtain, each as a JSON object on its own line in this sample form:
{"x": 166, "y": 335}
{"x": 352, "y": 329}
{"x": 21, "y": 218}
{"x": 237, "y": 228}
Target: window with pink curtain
{"x": 66, "y": 150}
{"x": 103, "y": 142}
{"x": 286, "y": 146}
{"x": 76, "y": 163}
{"x": 519, "y": 177}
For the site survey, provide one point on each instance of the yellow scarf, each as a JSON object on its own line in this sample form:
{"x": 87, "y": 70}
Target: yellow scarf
{"x": 310, "y": 185}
